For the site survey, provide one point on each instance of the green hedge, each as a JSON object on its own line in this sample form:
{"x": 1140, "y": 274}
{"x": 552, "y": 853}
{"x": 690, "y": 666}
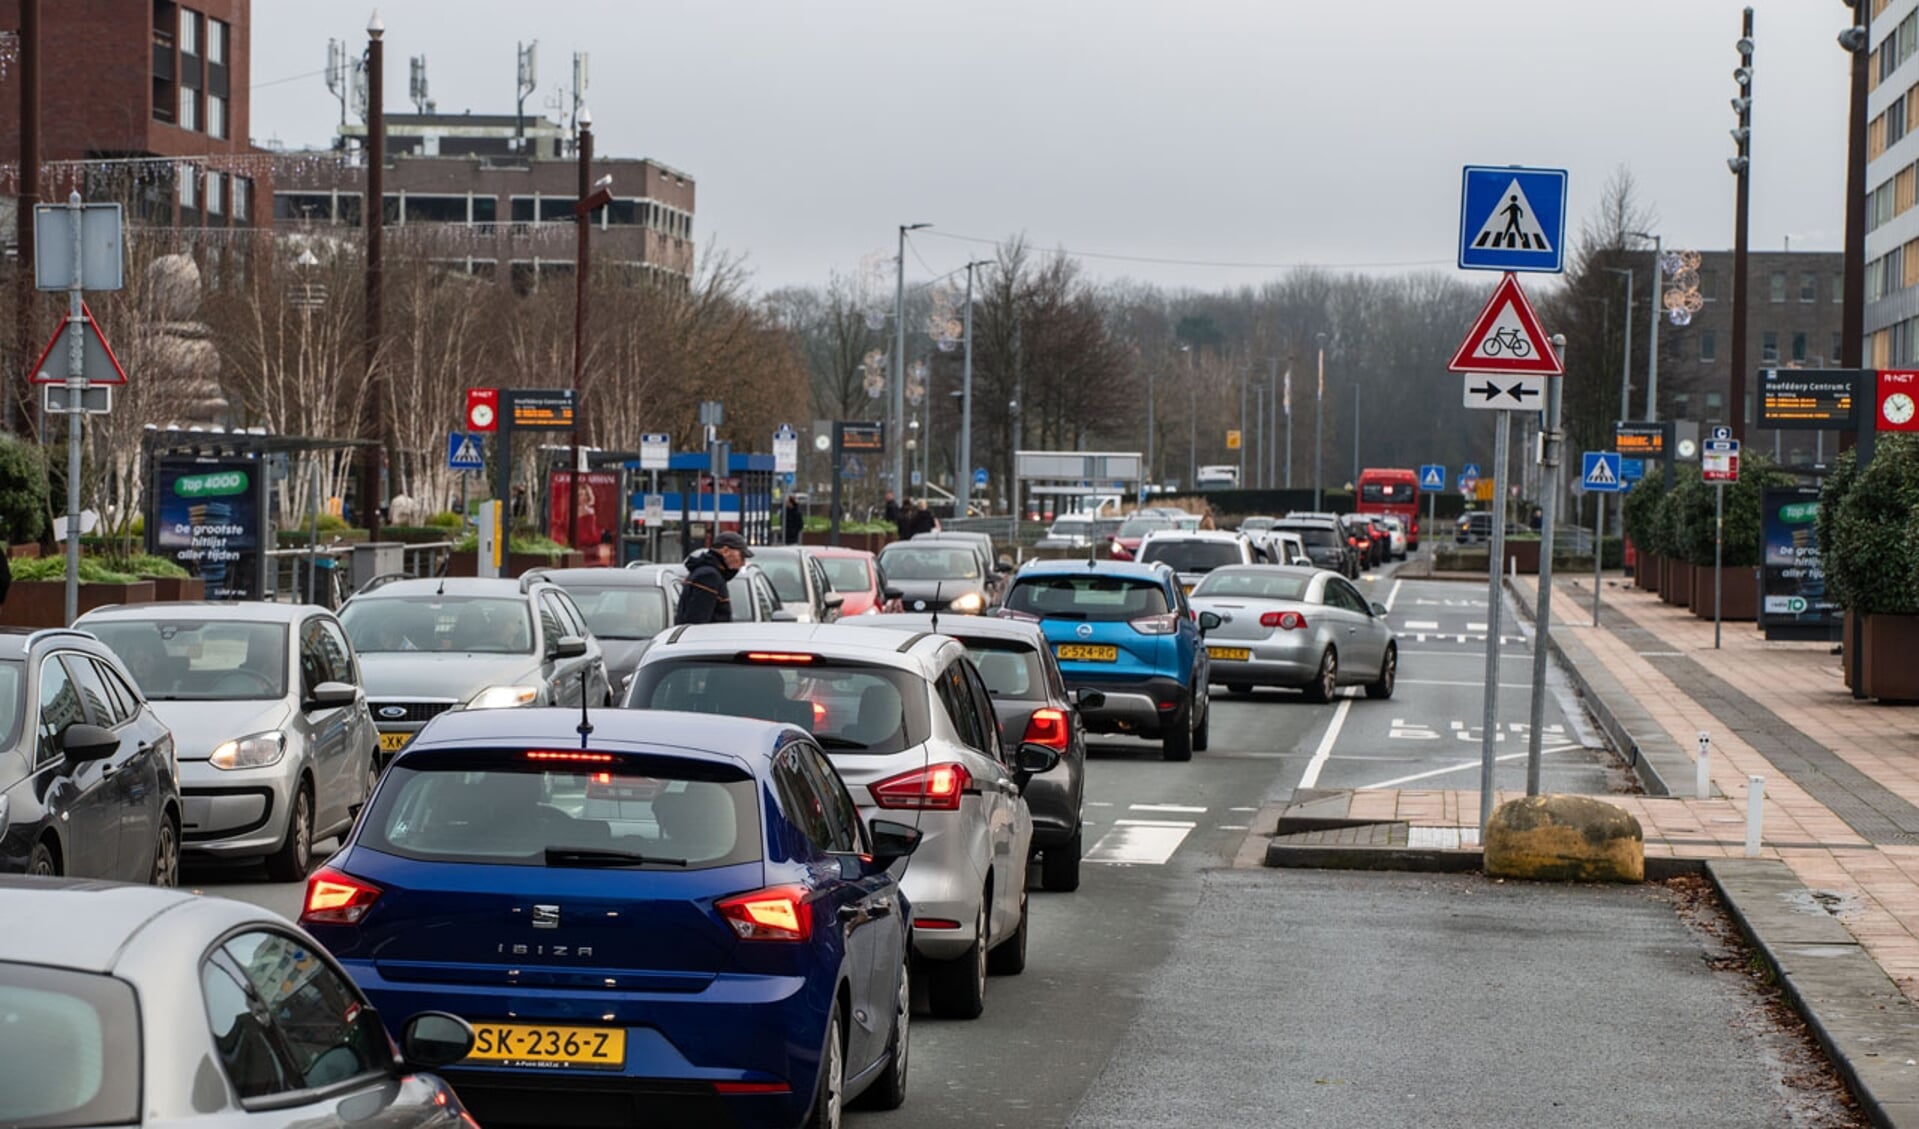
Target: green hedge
{"x": 1872, "y": 561}
{"x": 1642, "y": 510}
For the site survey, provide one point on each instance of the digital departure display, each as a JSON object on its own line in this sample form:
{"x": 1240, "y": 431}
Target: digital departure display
{"x": 1807, "y": 399}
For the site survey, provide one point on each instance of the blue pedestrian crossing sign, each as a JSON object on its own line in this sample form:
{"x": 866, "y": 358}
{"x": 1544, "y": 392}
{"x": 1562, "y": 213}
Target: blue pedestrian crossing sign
{"x": 1512, "y": 219}
{"x": 1432, "y": 476}
{"x": 1601, "y": 472}
{"x": 465, "y": 452}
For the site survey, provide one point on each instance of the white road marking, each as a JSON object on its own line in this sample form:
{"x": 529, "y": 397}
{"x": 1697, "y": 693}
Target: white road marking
{"x": 1148, "y": 842}
{"x": 1473, "y": 685}
{"x": 1393, "y": 595}
{"x": 1234, "y": 827}
{"x": 1470, "y": 626}
{"x": 1242, "y": 809}
{"x": 1180, "y": 808}
{"x": 1099, "y": 803}
{"x": 1310, "y": 778}
{"x": 1461, "y": 767}
{"x": 1421, "y": 625}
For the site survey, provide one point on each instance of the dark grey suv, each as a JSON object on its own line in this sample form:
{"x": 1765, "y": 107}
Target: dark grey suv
{"x": 429, "y": 646}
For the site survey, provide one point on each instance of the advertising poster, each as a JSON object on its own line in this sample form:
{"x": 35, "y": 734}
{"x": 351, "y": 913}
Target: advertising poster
{"x": 1793, "y": 581}
{"x": 209, "y": 523}
{"x": 598, "y": 521}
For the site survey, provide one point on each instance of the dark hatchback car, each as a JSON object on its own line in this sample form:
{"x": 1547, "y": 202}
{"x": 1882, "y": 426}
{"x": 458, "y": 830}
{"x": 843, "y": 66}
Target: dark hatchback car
{"x": 88, "y": 783}
{"x": 938, "y": 576}
{"x": 1030, "y": 699}
{"x": 1325, "y": 543}
{"x": 624, "y": 608}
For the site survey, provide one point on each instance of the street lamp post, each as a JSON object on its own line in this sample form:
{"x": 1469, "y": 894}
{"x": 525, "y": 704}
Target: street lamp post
{"x": 1740, "y": 164}
{"x": 1192, "y": 418}
{"x": 1625, "y": 367}
{"x": 1152, "y": 445}
{"x": 1319, "y": 399}
{"x": 375, "y": 422}
{"x": 965, "y": 483}
{"x": 1355, "y": 436}
{"x": 1856, "y": 39}
{"x": 899, "y": 358}
{"x": 592, "y": 198}
{"x": 1652, "y": 335}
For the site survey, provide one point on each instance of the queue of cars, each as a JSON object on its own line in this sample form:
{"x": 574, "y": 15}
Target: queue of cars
{"x": 718, "y": 902}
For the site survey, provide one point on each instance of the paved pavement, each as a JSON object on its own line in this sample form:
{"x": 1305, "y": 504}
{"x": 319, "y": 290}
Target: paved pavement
{"x": 1831, "y": 898}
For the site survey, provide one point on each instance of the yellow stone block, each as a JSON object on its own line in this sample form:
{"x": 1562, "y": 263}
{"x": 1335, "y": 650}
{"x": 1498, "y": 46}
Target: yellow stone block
{"x": 1565, "y": 839}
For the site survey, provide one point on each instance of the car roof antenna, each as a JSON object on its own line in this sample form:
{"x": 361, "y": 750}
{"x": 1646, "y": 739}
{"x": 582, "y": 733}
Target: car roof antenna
{"x": 586, "y": 723}
{"x": 936, "y": 607}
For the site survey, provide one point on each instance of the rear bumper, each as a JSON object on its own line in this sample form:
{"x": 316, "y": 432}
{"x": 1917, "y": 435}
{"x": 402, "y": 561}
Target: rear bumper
{"x": 1132, "y": 704}
{"x": 1264, "y": 672}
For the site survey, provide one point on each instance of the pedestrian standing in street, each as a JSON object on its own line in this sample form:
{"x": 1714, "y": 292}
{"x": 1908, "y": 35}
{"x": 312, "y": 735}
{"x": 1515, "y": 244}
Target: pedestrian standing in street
{"x": 920, "y": 520}
{"x": 895, "y": 516}
{"x": 793, "y": 520}
{"x": 704, "y": 598}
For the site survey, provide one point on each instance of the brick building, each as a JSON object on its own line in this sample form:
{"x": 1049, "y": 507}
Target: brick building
{"x": 153, "y": 94}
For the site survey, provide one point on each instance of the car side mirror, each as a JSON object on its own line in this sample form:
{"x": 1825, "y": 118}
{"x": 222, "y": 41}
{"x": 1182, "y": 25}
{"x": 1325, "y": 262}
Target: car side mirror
{"x": 329, "y": 694}
{"x": 892, "y": 841}
{"x": 1209, "y": 620}
{"x": 1032, "y": 758}
{"x": 1379, "y": 609}
{"x": 1303, "y": 562}
{"x": 835, "y": 599}
{"x": 567, "y": 647}
{"x": 893, "y": 593}
{"x": 81, "y": 742}
{"x": 784, "y": 615}
{"x": 1003, "y": 565}
{"x": 1089, "y": 699}
{"x": 434, "y": 1039}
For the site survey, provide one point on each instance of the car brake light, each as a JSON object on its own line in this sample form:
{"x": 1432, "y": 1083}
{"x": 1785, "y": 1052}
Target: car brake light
{"x": 778, "y": 913}
{"x": 335, "y": 898}
{"x": 778, "y": 657}
{"x": 1156, "y": 624}
{"x": 574, "y": 758}
{"x": 937, "y": 787}
{"x": 1288, "y": 621}
{"x": 1048, "y": 727}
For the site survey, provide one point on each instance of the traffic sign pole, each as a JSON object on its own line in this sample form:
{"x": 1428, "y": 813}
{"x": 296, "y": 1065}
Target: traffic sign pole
{"x": 76, "y": 387}
{"x": 1599, "y": 551}
{"x": 1495, "y": 560}
{"x": 1718, "y": 554}
{"x": 1549, "y": 443}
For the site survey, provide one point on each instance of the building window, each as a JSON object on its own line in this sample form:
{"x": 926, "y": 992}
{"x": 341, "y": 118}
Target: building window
{"x": 1778, "y": 286}
{"x": 215, "y": 182}
{"x": 216, "y": 42}
{"x": 189, "y": 32}
{"x": 1895, "y": 121}
{"x": 1799, "y": 347}
{"x": 189, "y": 109}
{"x": 1769, "y": 347}
{"x": 242, "y": 202}
{"x": 1808, "y": 287}
{"x": 1709, "y": 285}
{"x": 188, "y": 186}
{"x": 1838, "y": 347}
{"x": 1709, "y": 346}
{"x": 216, "y": 116}
{"x": 1838, "y": 287}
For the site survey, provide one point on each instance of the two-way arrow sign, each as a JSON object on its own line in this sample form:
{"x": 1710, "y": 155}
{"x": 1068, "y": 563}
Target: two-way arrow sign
{"x": 1505, "y": 393}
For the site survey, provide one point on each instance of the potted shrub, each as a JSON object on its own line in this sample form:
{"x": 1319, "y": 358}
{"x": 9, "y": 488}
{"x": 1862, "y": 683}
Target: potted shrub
{"x": 1873, "y": 566}
{"x": 1740, "y": 552}
{"x": 1832, "y": 492}
{"x": 1640, "y": 508}
{"x": 38, "y": 596}
{"x": 1672, "y": 521}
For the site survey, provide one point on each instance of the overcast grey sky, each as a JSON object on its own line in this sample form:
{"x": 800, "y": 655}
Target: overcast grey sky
{"x": 1242, "y": 131}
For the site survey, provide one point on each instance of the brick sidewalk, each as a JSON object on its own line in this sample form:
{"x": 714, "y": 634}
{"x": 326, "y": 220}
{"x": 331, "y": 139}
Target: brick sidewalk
{"x": 1841, "y": 777}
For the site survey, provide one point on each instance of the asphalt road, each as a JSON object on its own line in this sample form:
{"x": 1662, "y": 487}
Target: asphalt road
{"x": 1168, "y": 990}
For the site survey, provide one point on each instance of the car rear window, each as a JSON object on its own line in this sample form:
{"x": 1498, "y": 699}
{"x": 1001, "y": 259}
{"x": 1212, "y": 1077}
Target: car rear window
{"x": 69, "y": 1049}
{"x": 846, "y": 574}
{"x": 1092, "y": 598}
{"x": 1141, "y": 526}
{"x": 1315, "y": 536}
{"x": 564, "y": 808}
{"x": 1259, "y": 585}
{"x": 622, "y": 611}
{"x": 848, "y": 707}
{"x": 1009, "y": 669}
{"x": 1192, "y": 556}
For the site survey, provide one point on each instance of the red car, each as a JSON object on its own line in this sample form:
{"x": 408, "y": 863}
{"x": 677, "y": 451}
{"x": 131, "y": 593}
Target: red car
{"x": 855, "y": 575}
{"x": 1134, "y": 530}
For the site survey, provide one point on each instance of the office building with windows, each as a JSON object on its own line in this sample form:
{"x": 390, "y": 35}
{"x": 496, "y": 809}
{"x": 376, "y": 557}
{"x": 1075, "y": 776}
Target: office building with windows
{"x": 1892, "y": 186}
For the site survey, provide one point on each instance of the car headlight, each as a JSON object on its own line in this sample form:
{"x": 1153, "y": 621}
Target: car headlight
{"x": 504, "y": 697}
{"x": 970, "y": 604}
{"x": 257, "y": 751}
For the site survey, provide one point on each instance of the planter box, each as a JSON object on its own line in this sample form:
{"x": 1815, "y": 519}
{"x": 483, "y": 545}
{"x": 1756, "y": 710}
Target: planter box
{"x": 178, "y": 587}
{"x": 517, "y": 564}
{"x": 1645, "y": 570}
{"x": 1521, "y": 556}
{"x": 1739, "y": 600}
{"x": 1887, "y": 644}
{"x": 43, "y": 603}
{"x": 1675, "y": 582}
{"x": 1846, "y": 644}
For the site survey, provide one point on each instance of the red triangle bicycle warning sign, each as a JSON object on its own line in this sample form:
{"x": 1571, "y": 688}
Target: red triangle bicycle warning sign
{"x": 1507, "y": 337}
{"x": 99, "y": 365}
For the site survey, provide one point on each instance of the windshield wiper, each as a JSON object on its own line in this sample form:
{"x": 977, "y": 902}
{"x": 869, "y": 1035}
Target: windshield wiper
{"x": 828, "y": 741}
{"x": 582, "y": 856}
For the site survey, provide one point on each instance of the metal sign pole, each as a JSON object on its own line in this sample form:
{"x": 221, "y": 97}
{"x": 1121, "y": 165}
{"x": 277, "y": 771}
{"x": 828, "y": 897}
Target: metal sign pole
{"x": 76, "y": 390}
{"x": 1489, "y": 727}
{"x": 1548, "y": 513}
{"x": 1718, "y": 554}
{"x": 1599, "y": 552}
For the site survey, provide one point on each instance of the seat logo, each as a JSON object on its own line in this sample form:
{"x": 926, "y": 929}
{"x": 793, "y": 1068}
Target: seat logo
{"x": 546, "y": 917}
{"x": 392, "y": 711}
{"x": 1084, "y": 631}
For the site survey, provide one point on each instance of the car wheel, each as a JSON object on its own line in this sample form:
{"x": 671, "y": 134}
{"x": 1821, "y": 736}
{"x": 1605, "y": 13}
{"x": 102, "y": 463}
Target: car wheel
{"x": 41, "y": 863}
{"x": 1202, "y": 732}
{"x": 1239, "y": 688}
{"x": 888, "y": 1091}
{"x": 1326, "y": 683}
{"x": 1176, "y": 744}
{"x": 289, "y": 863}
{"x": 166, "y": 854}
{"x": 829, "y": 1094}
{"x": 1009, "y": 957}
{"x": 956, "y": 989}
{"x": 1059, "y": 866}
{"x": 1382, "y": 687}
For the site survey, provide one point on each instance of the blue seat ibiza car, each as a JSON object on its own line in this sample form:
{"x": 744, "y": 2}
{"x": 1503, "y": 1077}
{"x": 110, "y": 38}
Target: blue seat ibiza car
{"x": 1125, "y": 630}
{"x": 670, "y": 919}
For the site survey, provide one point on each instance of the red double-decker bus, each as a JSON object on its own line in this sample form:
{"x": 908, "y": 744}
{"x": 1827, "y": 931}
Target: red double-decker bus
{"x": 1390, "y": 490}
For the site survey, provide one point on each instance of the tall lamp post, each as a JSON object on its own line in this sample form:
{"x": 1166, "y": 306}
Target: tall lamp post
{"x": 1652, "y": 335}
{"x": 1319, "y": 400}
{"x": 591, "y": 199}
{"x": 1192, "y": 419}
{"x": 1740, "y": 164}
{"x": 375, "y": 420}
{"x": 1856, "y": 39}
{"x": 899, "y": 358}
{"x": 965, "y": 482}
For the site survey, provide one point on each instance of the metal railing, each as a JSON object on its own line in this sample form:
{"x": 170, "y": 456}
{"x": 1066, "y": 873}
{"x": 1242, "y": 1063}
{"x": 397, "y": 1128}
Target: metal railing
{"x": 325, "y": 570}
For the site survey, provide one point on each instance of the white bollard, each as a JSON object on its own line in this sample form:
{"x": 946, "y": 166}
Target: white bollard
{"x": 1755, "y": 813}
{"x": 1702, "y": 768}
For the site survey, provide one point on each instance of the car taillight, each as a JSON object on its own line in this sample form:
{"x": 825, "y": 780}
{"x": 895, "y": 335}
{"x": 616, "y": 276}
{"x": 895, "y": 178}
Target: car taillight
{"x": 1048, "y": 727}
{"x": 936, "y": 787}
{"x": 335, "y": 898}
{"x": 778, "y": 913}
{"x": 1288, "y": 621}
{"x": 1156, "y": 624}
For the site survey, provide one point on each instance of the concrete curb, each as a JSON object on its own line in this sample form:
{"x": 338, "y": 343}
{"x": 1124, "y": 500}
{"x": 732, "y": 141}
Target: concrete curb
{"x": 1867, "y": 1027}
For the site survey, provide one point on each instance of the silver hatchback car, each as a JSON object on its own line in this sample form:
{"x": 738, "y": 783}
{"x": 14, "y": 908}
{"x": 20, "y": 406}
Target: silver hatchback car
{"x": 270, "y": 723}
{"x": 910, "y": 727}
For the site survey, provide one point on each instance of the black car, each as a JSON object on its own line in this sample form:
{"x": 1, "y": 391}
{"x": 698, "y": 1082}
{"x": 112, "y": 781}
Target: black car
{"x": 88, "y": 785}
{"x": 937, "y": 576}
{"x": 1359, "y": 534}
{"x": 1034, "y": 707}
{"x": 1325, "y": 543}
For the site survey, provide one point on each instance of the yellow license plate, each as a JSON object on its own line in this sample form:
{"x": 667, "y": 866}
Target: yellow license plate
{"x": 394, "y": 742}
{"x": 1087, "y": 652}
{"x": 1230, "y": 654}
{"x": 528, "y": 1044}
